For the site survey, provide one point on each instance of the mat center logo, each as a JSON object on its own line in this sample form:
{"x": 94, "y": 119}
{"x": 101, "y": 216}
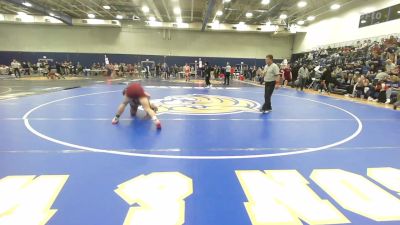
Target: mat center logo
{"x": 197, "y": 104}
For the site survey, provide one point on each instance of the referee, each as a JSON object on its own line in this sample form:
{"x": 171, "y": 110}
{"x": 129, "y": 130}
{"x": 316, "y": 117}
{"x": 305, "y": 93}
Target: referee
{"x": 272, "y": 80}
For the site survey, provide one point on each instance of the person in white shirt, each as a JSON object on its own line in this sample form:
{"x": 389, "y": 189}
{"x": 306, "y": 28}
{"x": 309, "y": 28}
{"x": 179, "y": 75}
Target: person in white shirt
{"x": 310, "y": 57}
{"x": 15, "y": 65}
{"x": 303, "y": 76}
{"x": 382, "y": 76}
{"x": 365, "y": 45}
{"x": 227, "y": 74}
{"x": 272, "y": 80}
{"x": 390, "y": 67}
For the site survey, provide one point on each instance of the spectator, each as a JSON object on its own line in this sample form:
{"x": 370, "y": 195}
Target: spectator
{"x": 158, "y": 67}
{"x": 259, "y": 76}
{"x": 390, "y": 67}
{"x": 381, "y": 76}
{"x": 217, "y": 72}
{"x": 227, "y": 73}
{"x": 15, "y": 65}
{"x": 79, "y": 69}
{"x": 390, "y": 84}
{"x": 397, "y": 104}
{"x": 58, "y": 68}
{"x": 358, "y": 45}
{"x": 26, "y": 68}
{"x": 187, "y": 71}
{"x": 387, "y": 89}
{"x": 233, "y": 69}
{"x": 287, "y": 75}
{"x": 303, "y": 76}
{"x": 207, "y": 74}
{"x": 325, "y": 79}
{"x": 359, "y": 87}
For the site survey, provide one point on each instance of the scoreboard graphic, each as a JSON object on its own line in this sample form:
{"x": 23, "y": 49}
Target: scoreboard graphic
{"x": 380, "y": 16}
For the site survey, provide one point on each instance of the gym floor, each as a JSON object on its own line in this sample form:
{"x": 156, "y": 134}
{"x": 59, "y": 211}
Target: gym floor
{"x": 217, "y": 160}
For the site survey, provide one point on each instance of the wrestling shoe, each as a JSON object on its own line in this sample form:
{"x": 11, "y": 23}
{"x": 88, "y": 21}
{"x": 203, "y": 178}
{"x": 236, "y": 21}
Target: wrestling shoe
{"x": 115, "y": 120}
{"x": 158, "y": 124}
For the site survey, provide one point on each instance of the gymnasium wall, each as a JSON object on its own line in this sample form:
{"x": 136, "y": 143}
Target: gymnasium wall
{"x": 139, "y": 42}
{"x": 342, "y": 26}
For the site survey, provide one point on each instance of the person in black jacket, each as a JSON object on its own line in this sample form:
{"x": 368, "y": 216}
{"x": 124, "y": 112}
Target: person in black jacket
{"x": 207, "y": 71}
{"x": 58, "y": 67}
{"x": 26, "y": 68}
{"x": 326, "y": 79}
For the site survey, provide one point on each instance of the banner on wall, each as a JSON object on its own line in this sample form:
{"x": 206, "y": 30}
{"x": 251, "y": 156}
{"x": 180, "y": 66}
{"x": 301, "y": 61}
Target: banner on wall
{"x": 380, "y": 16}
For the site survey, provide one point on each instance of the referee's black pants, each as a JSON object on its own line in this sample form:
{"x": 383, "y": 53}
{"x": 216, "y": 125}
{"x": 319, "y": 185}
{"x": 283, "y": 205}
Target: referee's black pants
{"x": 227, "y": 78}
{"x": 269, "y": 89}
{"x": 16, "y": 70}
{"x": 208, "y": 83}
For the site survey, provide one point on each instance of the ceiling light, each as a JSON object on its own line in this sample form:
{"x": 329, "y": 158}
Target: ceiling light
{"x": 1, "y": 17}
{"x": 219, "y": 13}
{"x": 26, "y": 18}
{"x": 120, "y": 17}
{"x": 152, "y": 18}
{"x": 179, "y": 20}
{"x": 311, "y": 18}
{"x": 265, "y": 2}
{"x": 91, "y": 16}
{"x": 177, "y": 10}
{"x": 95, "y": 21}
{"x": 398, "y": 12}
{"x": 106, "y": 7}
{"x": 300, "y": 22}
{"x": 135, "y": 18}
{"x": 52, "y": 20}
{"x": 145, "y": 9}
{"x": 27, "y": 4}
{"x": 335, "y": 6}
{"x": 52, "y": 14}
{"x": 215, "y": 24}
{"x": 363, "y": 21}
{"x": 249, "y": 14}
{"x": 268, "y": 28}
{"x": 227, "y": 1}
{"x": 242, "y": 26}
{"x": 302, "y": 4}
{"x": 183, "y": 25}
{"x": 293, "y": 28}
{"x": 155, "y": 24}
{"x": 283, "y": 16}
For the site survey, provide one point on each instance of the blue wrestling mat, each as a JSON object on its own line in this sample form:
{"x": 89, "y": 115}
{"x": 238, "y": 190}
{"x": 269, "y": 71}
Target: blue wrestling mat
{"x": 217, "y": 160}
